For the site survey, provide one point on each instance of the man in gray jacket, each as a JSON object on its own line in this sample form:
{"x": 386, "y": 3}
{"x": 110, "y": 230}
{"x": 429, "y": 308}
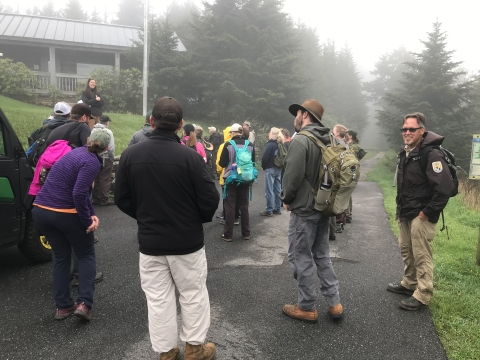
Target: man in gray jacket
{"x": 308, "y": 228}
{"x": 144, "y": 133}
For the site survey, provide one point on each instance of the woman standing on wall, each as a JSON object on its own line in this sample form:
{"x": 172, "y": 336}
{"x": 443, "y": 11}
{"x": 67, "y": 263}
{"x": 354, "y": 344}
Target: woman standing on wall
{"x": 91, "y": 97}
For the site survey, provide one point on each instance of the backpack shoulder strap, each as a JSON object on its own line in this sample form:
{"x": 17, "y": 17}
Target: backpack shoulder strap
{"x": 234, "y": 145}
{"x": 312, "y": 137}
{"x": 424, "y": 156}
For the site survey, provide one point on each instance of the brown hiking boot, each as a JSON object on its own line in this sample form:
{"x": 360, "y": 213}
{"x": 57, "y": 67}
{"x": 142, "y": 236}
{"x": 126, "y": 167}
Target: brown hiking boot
{"x": 200, "y": 352}
{"x": 173, "y": 354}
{"x": 295, "y": 312}
{"x": 336, "y": 311}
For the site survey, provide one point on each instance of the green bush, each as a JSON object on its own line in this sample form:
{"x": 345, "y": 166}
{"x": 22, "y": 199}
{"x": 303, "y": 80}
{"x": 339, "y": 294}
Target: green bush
{"x": 120, "y": 89}
{"x": 16, "y": 80}
{"x": 54, "y": 94}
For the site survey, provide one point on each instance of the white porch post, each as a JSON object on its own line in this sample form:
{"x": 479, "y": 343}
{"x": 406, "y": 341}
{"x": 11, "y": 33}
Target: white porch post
{"x": 52, "y": 67}
{"x": 117, "y": 61}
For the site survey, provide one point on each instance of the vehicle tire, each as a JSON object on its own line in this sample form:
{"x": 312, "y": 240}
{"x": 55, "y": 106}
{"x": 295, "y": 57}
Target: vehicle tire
{"x": 34, "y": 245}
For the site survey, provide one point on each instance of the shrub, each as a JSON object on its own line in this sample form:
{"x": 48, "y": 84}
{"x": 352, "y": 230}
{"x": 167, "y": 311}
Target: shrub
{"x": 54, "y": 94}
{"x": 16, "y": 80}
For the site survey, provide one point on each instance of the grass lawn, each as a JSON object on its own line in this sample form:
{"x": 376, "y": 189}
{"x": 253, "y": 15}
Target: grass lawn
{"x": 456, "y": 303}
{"x": 25, "y": 118}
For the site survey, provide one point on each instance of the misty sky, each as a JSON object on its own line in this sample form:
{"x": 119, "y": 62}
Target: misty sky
{"x": 369, "y": 27}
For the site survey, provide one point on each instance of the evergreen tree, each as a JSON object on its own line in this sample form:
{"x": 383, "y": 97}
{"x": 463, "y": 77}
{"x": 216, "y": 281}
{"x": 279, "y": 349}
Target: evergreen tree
{"x": 432, "y": 86}
{"x": 48, "y": 9}
{"x": 130, "y": 13}
{"x": 95, "y": 16}
{"x": 73, "y": 10}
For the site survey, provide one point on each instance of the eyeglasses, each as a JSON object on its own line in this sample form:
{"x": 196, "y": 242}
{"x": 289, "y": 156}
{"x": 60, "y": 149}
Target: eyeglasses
{"x": 412, "y": 130}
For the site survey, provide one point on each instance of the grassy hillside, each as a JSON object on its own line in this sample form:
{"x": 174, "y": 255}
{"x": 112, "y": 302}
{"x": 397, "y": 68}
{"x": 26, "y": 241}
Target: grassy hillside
{"x": 25, "y": 118}
{"x": 455, "y": 305}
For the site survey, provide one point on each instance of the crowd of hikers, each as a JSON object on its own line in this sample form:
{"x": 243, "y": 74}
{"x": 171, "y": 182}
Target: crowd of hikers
{"x": 310, "y": 174}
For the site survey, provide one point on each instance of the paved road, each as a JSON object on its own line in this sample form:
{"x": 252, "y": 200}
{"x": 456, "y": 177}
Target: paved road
{"x": 249, "y": 281}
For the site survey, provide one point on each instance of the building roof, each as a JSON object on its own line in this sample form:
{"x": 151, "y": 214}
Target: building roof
{"x": 41, "y": 29}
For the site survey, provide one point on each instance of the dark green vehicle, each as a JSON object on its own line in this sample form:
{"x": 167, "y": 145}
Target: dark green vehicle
{"x": 16, "y": 224}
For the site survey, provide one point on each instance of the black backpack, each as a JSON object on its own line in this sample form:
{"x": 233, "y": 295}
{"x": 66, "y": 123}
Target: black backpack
{"x": 38, "y": 143}
{"x": 448, "y": 157}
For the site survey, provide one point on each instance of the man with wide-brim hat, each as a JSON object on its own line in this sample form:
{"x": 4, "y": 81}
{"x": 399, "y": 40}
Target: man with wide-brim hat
{"x": 308, "y": 228}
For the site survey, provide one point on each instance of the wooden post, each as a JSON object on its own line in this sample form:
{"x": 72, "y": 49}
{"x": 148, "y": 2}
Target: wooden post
{"x": 52, "y": 67}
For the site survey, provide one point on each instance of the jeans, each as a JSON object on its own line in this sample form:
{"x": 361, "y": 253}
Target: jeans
{"x": 65, "y": 231}
{"x": 273, "y": 187}
{"x": 308, "y": 246}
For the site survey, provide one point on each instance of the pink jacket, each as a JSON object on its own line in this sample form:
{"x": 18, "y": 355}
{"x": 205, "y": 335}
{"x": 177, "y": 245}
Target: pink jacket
{"x": 51, "y": 155}
{"x": 200, "y": 150}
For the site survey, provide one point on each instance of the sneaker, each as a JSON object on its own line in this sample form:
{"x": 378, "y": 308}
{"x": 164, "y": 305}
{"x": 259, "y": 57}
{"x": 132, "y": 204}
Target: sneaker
{"x": 296, "y": 313}
{"x": 246, "y": 237}
{"x": 265, "y": 213}
{"x": 332, "y": 237}
{"x": 349, "y": 220}
{"x": 62, "y": 314}
{"x": 411, "y": 304}
{"x": 222, "y": 222}
{"x": 236, "y": 222}
{"x": 277, "y": 212}
{"x": 95, "y": 239}
{"x": 173, "y": 354}
{"x": 336, "y": 312}
{"x": 219, "y": 216}
{"x": 399, "y": 289}
{"x": 339, "y": 228}
{"x": 226, "y": 239}
{"x": 83, "y": 312}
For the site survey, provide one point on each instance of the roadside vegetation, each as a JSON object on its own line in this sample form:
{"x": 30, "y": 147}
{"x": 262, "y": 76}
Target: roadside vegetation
{"x": 456, "y": 300}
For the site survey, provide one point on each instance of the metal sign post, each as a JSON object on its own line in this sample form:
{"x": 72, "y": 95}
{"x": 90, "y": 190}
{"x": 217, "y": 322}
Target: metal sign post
{"x": 475, "y": 175}
{"x": 145, "y": 57}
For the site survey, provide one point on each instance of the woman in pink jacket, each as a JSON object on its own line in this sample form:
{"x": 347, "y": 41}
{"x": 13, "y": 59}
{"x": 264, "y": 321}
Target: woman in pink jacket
{"x": 190, "y": 140}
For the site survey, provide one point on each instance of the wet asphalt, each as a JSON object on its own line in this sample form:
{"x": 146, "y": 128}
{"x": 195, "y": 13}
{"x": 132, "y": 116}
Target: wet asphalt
{"x": 248, "y": 282}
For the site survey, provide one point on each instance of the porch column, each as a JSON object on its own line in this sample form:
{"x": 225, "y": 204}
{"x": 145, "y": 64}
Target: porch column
{"x": 52, "y": 67}
{"x": 117, "y": 61}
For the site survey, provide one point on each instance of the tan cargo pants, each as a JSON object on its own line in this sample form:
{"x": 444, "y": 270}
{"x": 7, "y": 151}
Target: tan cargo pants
{"x": 415, "y": 242}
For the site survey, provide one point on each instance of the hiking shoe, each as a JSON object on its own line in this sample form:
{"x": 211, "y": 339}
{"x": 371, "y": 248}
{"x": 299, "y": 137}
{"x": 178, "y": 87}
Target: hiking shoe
{"x": 277, "y": 212}
{"x": 246, "y": 237}
{"x": 226, "y": 239}
{"x": 332, "y": 237}
{"x": 294, "y": 312}
{"x": 222, "y": 222}
{"x": 173, "y": 354}
{"x": 399, "y": 289}
{"x": 236, "y": 222}
{"x": 62, "y": 314}
{"x": 411, "y": 304}
{"x": 339, "y": 228}
{"x": 265, "y": 213}
{"x": 83, "y": 312}
{"x": 200, "y": 352}
{"x": 219, "y": 216}
{"x": 349, "y": 220}
{"x": 336, "y": 312}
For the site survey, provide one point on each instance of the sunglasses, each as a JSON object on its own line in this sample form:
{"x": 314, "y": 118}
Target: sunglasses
{"x": 412, "y": 130}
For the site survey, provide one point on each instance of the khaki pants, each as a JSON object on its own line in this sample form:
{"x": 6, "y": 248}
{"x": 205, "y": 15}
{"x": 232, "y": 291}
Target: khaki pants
{"x": 92, "y": 122}
{"x": 415, "y": 242}
{"x": 159, "y": 275}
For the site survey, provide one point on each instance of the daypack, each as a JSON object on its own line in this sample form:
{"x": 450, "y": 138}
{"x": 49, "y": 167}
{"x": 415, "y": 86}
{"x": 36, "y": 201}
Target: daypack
{"x": 449, "y": 159}
{"x": 38, "y": 143}
{"x": 279, "y": 159}
{"x": 245, "y": 172}
{"x": 338, "y": 176}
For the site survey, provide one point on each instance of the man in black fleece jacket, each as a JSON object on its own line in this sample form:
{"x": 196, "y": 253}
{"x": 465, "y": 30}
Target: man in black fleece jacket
{"x": 166, "y": 187}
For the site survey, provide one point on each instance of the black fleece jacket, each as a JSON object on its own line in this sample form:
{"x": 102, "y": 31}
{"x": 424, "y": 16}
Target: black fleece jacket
{"x": 166, "y": 187}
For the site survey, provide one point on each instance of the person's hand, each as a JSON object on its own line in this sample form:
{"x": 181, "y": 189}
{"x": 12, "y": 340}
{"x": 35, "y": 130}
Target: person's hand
{"x": 286, "y": 207}
{"x": 98, "y": 98}
{"x": 94, "y": 225}
{"x": 422, "y": 216}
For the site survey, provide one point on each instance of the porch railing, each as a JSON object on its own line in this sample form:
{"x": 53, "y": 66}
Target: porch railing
{"x": 66, "y": 83}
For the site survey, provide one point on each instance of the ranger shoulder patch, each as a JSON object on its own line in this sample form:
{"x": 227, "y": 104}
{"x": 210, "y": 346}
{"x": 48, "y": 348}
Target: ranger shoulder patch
{"x": 437, "y": 166}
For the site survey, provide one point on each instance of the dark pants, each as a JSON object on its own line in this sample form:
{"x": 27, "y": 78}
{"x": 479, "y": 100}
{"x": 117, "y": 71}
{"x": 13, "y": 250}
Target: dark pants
{"x": 236, "y": 195}
{"x": 103, "y": 181}
{"x": 237, "y": 209}
{"x": 64, "y": 232}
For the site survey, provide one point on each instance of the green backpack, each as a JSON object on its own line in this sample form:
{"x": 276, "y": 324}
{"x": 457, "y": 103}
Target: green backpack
{"x": 279, "y": 159}
{"x": 339, "y": 175}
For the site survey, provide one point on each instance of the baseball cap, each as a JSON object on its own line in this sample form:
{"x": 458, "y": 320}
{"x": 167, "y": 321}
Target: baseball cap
{"x": 81, "y": 109}
{"x": 352, "y": 132}
{"x": 105, "y": 118}
{"x": 236, "y": 128}
{"x": 147, "y": 116}
{"x": 165, "y": 105}
{"x": 212, "y": 128}
{"x": 100, "y": 135}
{"x": 246, "y": 122}
{"x": 62, "y": 108}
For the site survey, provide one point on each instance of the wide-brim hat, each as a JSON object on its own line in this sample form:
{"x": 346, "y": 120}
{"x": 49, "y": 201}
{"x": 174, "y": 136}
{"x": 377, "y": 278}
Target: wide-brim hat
{"x": 312, "y": 106}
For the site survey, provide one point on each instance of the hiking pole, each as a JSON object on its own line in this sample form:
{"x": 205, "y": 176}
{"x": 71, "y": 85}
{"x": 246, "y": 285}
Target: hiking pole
{"x": 395, "y": 177}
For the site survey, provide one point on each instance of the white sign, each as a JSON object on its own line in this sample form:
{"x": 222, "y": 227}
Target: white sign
{"x": 475, "y": 158}
{"x": 87, "y": 69}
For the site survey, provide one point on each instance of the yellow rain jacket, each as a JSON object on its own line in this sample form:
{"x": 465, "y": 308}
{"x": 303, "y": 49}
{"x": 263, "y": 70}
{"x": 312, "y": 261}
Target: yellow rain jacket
{"x": 220, "y": 170}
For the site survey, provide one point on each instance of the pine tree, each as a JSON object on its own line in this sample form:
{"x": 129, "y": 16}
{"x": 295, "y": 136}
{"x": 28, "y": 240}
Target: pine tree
{"x": 73, "y": 10}
{"x": 95, "y": 16}
{"x": 433, "y": 85}
{"x": 130, "y": 13}
{"x": 48, "y": 9}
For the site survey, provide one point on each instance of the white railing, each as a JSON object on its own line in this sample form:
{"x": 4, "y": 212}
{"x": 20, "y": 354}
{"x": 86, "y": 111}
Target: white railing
{"x": 66, "y": 83}
{"x": 43, "y": 82}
